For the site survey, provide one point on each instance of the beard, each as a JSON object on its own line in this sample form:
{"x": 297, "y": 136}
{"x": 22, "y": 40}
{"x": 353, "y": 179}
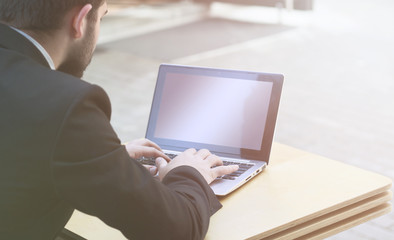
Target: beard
{"x": 79, "y": 58}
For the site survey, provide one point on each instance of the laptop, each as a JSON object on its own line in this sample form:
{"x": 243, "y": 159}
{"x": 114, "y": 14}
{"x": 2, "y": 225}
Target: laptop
{"x": 229, "y": 112}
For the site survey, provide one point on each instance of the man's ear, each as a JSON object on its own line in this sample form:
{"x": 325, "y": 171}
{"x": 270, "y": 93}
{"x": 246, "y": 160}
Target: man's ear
{"x": 78, "y": 22}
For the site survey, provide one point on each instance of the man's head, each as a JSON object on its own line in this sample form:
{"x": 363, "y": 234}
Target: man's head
{"x": 41, "y": 15}
{"x": 72, "y": 24}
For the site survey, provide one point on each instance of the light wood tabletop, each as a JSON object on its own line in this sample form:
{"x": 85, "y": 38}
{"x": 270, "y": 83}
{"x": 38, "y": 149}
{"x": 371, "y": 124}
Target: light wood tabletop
{"x": 299, "y": 192}
{"x": 298, "y": 196}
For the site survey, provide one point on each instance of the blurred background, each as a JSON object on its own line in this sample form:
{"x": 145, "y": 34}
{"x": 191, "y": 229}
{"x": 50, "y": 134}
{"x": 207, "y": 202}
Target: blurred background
{"x": 337, "y": 57}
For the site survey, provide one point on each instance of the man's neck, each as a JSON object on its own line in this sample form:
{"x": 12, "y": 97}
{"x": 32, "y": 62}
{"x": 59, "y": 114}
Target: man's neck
{"x": 38, "y": 46}
{"x": 51, "y": 43}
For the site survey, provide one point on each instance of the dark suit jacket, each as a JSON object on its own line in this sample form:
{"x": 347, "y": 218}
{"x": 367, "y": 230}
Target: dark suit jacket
{"x": 58, "y": 152}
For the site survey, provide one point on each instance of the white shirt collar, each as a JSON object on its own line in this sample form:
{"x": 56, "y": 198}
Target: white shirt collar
{"x": 39, "y": 47}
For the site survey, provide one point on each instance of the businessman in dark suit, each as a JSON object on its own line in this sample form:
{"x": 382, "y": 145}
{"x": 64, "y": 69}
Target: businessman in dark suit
{"x": 58, "y": 151}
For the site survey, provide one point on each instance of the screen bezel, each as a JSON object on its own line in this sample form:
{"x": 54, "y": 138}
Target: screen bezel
{"x": 175, "y": 145}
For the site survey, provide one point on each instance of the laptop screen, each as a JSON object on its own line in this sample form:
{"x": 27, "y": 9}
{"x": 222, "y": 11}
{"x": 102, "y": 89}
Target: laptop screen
{"x": 222, "y": 110}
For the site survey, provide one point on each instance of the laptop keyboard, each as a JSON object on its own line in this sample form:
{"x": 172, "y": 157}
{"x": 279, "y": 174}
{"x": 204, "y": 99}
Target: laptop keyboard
{"x": 243, "y": 167}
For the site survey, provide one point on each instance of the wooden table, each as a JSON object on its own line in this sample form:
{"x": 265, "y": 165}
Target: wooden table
{"x": 298, "y": 196}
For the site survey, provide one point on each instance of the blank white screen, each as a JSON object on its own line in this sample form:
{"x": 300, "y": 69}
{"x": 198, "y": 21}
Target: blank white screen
{"x": 213, "y": 110}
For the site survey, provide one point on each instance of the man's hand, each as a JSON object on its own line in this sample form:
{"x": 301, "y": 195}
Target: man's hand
{"x": 145, "y": 148}
{"x": 209, "y": 165}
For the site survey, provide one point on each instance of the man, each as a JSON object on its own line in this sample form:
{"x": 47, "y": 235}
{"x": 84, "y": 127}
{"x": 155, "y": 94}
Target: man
{"x": 58, "y": 151}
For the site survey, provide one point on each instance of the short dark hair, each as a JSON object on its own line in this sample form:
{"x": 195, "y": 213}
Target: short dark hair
{"x": 41, "y": 14}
